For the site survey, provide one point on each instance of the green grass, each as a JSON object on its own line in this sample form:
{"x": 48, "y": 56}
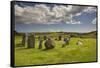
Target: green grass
{"x": 69, "y": 54}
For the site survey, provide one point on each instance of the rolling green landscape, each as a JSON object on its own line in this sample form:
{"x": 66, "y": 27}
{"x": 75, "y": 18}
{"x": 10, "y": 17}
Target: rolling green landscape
{"x": 49, "y": 33}
{"x": 69, "y": 54}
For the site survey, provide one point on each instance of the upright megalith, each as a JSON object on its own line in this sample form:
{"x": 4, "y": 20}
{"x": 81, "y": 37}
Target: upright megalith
{"x": 60, "y": 38}
{"x": 79, "y": 42}
{"x": 65, "y": 42}
{"x": 49, "y": 44}
{"x": 31, "y": 41}
{"x": 23, "y": 39}
{"x": 45, "y": 37}
{"x": 40, "y": 43}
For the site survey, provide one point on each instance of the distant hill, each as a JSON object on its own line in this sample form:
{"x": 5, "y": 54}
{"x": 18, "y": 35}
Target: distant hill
{"x": 16, "y": 33}
{"x": 89, "y": 34}
{"x": 72, "y": 34}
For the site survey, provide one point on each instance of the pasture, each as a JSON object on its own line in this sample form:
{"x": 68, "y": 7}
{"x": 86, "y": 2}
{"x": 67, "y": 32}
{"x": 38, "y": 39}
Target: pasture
{"x": 72, "y": 53}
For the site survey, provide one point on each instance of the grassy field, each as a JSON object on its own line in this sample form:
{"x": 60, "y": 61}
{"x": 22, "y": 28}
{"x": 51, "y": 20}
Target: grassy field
{"x": 69, "y": 54}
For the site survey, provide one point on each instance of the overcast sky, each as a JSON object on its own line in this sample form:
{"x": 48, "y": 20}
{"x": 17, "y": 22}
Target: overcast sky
{"x": 36, "y": 17}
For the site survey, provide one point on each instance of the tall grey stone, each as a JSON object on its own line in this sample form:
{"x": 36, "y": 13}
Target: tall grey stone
{"x": 31, "y": 41}
{"x": 40, "y": 43}
{"x": 49, "y": 44}
{"x": 60, "y": 38}
{"x": 23, "y": 40}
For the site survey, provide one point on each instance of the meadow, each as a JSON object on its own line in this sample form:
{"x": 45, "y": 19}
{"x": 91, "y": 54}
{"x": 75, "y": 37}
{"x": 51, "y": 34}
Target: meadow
{"x": 70, "y": 54}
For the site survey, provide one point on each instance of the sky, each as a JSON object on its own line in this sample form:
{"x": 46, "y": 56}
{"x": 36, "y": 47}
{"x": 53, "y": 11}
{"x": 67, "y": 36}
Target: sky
{"x": 42, "y": 17}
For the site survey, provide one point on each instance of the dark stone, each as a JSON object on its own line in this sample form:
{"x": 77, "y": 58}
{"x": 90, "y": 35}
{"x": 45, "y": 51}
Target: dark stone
{"x": 23, "y": 40}
{"x": 49, "y": 44}
{"x": 45, "y": 37}
{"x": 59, "y": 38}
{"x": 40, "y": 43}
{"x": 31, "y": 41}
{"x": 66, "y": 42}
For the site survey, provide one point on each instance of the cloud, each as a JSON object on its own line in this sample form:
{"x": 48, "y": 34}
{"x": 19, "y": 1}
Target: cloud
{"x": 90, "y": 9}
{"x": 30, "y": 14}
{"x": 43, "y": 14}
{"x": 94, "y": 21}
{"x": 73, "y": 22}
{"x": 18, "y": 10}
{"x": 77, "y": 9}
{"x": 86, "y": 10}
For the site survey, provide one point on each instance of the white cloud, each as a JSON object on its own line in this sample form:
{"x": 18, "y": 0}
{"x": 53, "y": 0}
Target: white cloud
{"x": 42, "y": 14}
{"x": 77, "y": 9}
{"x": 35, "y": 14}
{"x": 90, "y": 9}
{"x": 73, "y": 22}
{"x": 86, "y": 10}
{"x": 18, "y": 10}
{"x": 94, "y": 21}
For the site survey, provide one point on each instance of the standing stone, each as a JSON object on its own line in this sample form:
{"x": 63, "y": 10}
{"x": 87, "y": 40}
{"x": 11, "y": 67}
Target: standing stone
{"x": 49, "y": 44}
{"x": 66, "y": 42}
{"x": 59, "y": 38}
{"x": 45, "y": 37}
{"x": 31, "y": 41}
{"x": 79, "y": 42}
{"x": 28, "y": 42}
{"x": 23, "y": 39}
{"x": 40, "y": 43}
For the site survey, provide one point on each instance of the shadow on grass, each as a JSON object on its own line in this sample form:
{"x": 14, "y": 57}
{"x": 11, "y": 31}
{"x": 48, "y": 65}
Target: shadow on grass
{"x": 46, "y": 49}
{"x": 24, "y": 48}
{"x": 19, "y": 45}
